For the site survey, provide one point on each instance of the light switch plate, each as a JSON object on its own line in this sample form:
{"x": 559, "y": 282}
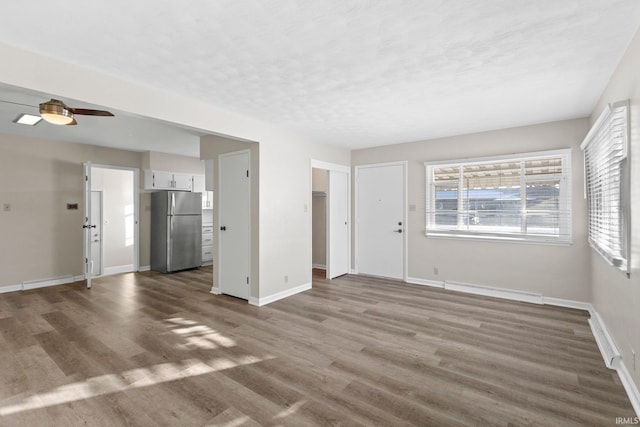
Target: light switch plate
{"x": 6, "y": 207}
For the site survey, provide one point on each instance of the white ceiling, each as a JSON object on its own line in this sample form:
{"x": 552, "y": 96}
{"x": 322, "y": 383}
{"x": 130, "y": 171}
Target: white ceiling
{"x": 354, "y": 73}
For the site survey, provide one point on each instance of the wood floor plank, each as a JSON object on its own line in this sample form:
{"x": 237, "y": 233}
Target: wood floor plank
{"x": 143, "y": 349}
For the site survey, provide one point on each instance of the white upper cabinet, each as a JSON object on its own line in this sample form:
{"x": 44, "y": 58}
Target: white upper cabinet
{"x": 182, "y": 181}
{"x": 198, "y": 184}
{"x": 162, "y": 180}
{"x": 207, "y": 200}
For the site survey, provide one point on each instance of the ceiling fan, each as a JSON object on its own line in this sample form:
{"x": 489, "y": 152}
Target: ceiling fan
{"x": 57, "y": 112}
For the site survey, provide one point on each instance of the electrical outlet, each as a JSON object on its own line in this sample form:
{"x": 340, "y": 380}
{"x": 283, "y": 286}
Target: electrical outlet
{"x": 6, "y": 207}
{"x": 286, "y": 279}
{"x": 435, "y": 271}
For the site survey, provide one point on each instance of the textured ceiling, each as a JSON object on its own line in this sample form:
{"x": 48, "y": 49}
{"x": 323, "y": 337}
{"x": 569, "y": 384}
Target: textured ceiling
{"x": 350, "y": 72}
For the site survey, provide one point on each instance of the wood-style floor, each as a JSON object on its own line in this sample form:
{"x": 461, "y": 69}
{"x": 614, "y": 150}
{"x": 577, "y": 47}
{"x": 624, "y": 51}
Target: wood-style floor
{"x": 152, "y": 349}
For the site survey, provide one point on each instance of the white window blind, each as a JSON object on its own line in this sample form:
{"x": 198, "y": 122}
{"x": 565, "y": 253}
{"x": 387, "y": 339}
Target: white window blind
{"x": 525, "y": 197}
{"x": 607, "y": 184}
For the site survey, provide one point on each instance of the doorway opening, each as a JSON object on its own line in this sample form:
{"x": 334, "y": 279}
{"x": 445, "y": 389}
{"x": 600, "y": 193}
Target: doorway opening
{"x": 330, "y": 218}
{"x": 112, "y": 229}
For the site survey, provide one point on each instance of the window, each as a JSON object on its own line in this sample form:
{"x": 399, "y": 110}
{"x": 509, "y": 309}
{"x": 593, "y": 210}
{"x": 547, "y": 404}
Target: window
{"x": 522, "y": 197}
{"x": 607, "y": 184}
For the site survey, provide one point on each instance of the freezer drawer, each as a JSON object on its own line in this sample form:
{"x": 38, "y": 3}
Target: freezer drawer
{"x": 185, "y": 242}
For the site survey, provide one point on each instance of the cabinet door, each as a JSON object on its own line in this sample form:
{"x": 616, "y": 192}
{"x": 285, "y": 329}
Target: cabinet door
{"x": 182, "y": 181}
{"x": 198, "y": 184}
{"x": 207, "y": 200}
{"x": 162, "y": 180}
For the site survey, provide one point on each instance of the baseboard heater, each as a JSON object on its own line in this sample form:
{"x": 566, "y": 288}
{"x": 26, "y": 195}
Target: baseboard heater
{"x": 609, "y": 352}
{"x": 494, "y": 292}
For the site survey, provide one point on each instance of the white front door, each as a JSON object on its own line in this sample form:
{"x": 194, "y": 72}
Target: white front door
{"x": 96, "y": 233}
{"x": 380, "y": 220}
{"x": 235, "y": 224}
{"x": 338, "y": 227}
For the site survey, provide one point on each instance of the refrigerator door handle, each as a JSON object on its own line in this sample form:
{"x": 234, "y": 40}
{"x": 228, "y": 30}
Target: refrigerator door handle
{"x": 169, "y": 237}
{"x": 173, "y": 204}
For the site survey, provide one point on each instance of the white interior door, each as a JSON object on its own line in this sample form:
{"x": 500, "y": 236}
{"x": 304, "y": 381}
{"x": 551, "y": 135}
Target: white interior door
{"x": 235, "y": 224}
{"x": 338, "y": 224}
{"x": 380, "y": 210}
{"x": 87, "y": 226}
{"x": 96, "y": 233}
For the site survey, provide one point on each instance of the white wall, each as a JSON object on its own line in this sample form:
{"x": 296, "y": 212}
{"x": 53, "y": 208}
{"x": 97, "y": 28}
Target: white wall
{"x": 615, "y": 297}
{"x": 41, "y": 239}
{"x": 285, "y": 181}
{"x": 553, "y": 271}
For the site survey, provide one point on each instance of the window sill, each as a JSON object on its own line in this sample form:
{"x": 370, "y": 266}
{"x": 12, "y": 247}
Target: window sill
{"x": 492, "y": 238}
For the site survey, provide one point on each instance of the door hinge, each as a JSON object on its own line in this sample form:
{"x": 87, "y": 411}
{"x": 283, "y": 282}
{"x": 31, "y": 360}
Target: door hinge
{"x": 86, "y": 177}
{"x": 247, "y": 173}
{"x": 247, "y": 280}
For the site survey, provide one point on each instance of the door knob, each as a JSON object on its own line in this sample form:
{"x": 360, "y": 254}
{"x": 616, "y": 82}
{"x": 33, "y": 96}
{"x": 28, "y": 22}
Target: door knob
{"x": 399, "y": 230}
{"x": 223, "y": 228}
{"x": 400, "y": 223}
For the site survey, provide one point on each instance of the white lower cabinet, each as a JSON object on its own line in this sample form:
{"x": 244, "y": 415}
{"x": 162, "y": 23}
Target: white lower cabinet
{"x": 207, "y": 244}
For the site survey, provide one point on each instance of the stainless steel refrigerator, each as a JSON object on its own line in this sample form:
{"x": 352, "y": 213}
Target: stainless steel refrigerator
{"x": 176, "y": 230}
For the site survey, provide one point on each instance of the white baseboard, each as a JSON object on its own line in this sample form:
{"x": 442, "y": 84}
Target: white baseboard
{"x": 216, "y": 291}
{"x": 144, "y": 268}
{"x": 494, "y": 292}
{"x": 567, "y": 303}
{"x": 108, "y": 271}
{"x": 10, "y": 288}
{"x": 353, "y": 271}
{"x": 424, "y": 282}
{"x": 613, "y": 359}
{"x": 319, "y": 266}
{"x": 279, "y": 295}
{"x": 43, "y": 283}
{"x": 629, "y": 386}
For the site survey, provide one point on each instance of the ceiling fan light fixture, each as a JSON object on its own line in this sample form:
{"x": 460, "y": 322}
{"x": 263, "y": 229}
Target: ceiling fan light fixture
{"x": 56, "y": 112}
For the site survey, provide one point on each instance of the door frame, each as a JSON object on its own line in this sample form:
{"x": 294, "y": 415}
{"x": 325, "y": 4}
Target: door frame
{"x": 318, "y": 164}
{"x": 136, "y": 209}
{"x": 404, "y": 164}
{"x": 218, "y": 288}
{"x": 100, "y": 192}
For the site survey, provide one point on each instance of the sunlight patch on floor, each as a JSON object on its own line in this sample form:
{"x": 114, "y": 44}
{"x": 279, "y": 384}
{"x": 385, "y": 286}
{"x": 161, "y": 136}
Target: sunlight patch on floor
{"x": 199, "y": 336}
{"x": 114, "y": 383}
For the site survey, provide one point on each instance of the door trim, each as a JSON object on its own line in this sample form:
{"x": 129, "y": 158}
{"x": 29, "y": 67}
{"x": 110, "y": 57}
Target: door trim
{"x": 319, "y": 164}
{"x": 217, "y": 287}
{"x": 404, "y": 164}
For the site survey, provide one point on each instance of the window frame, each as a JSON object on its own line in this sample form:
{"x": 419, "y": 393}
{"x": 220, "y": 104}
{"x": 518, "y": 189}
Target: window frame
{"x": 619, "y": 260}
{"x": 564, "y": 237}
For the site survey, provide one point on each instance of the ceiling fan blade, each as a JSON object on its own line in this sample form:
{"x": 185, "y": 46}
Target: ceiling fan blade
{"x": 87, "y": 112}
{"x": 18, "y": 103}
